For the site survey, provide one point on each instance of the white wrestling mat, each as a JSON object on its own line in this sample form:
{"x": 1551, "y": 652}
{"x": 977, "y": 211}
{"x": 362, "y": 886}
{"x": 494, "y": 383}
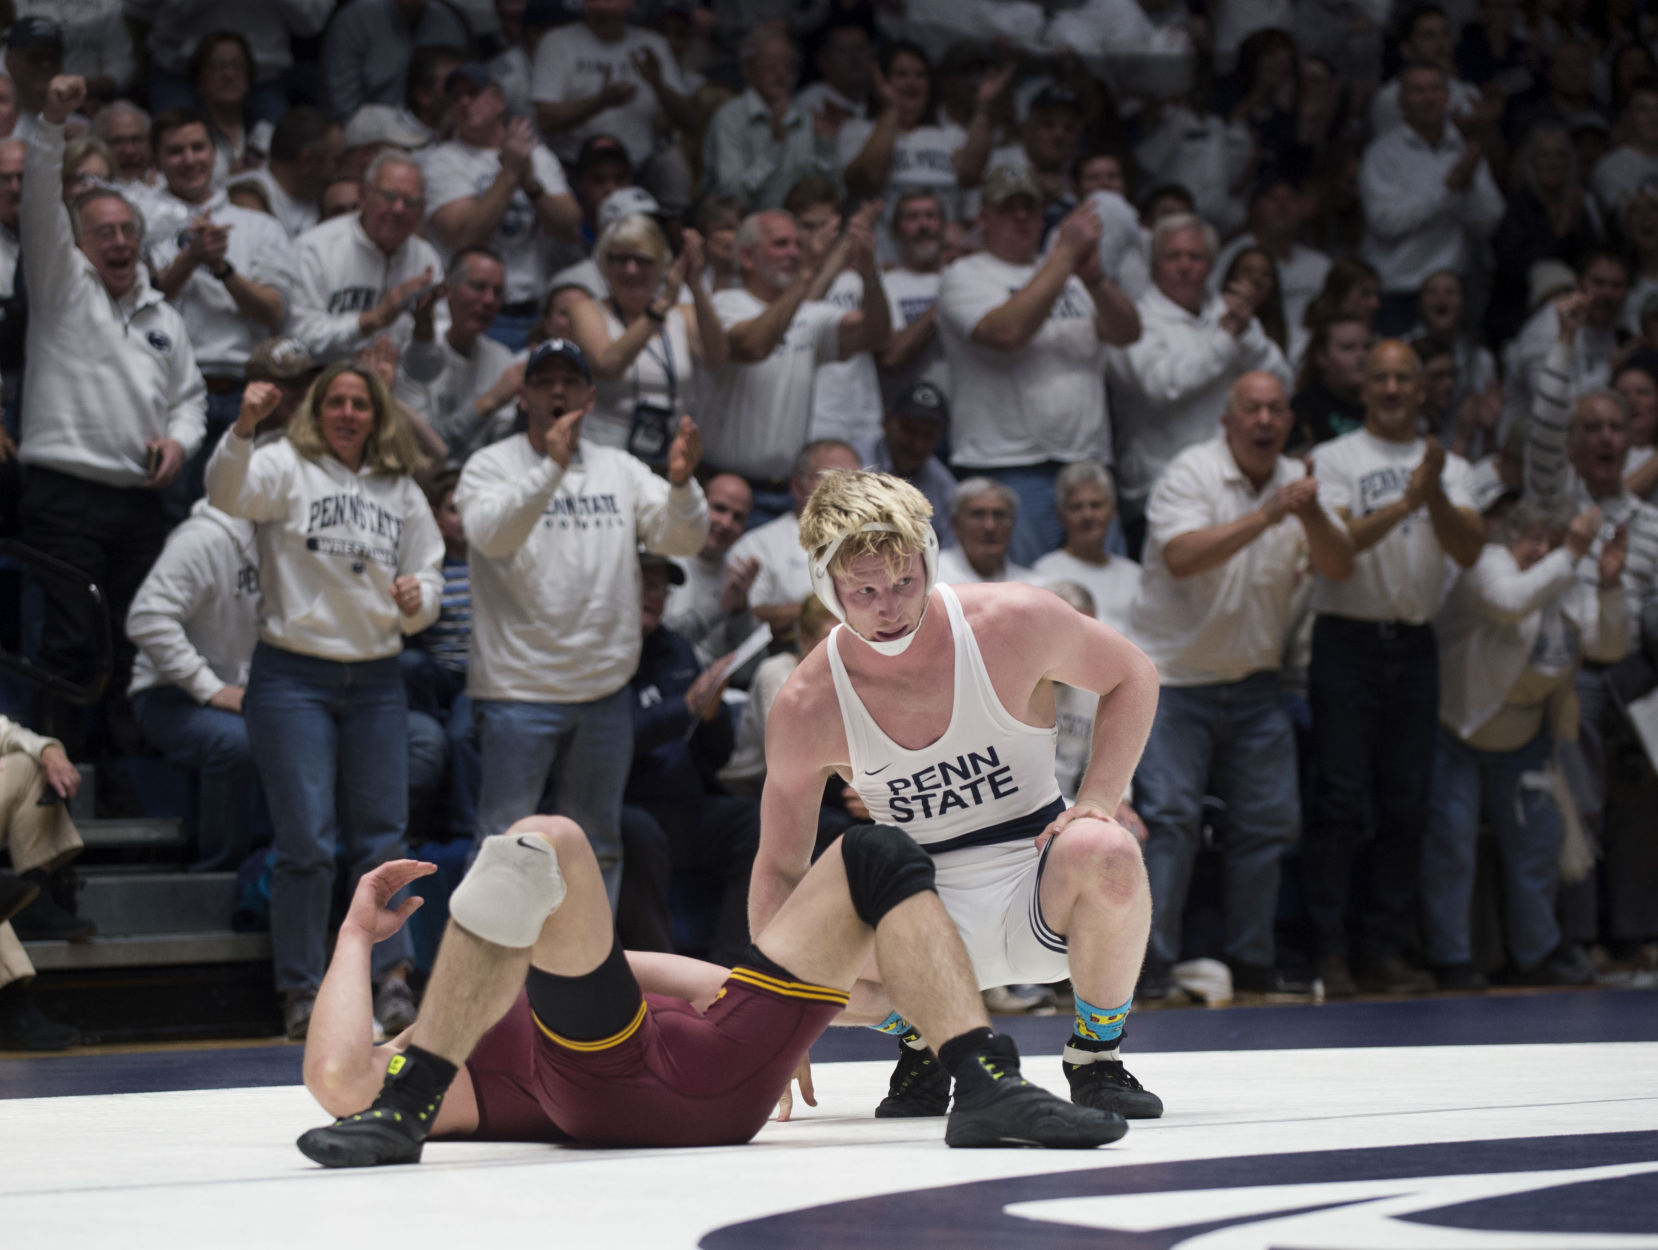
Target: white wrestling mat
{"x": 1472, "y": 1147}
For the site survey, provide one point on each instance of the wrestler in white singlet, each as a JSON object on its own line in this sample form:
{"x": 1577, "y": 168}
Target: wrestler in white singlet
{"x": 976, "y": 799}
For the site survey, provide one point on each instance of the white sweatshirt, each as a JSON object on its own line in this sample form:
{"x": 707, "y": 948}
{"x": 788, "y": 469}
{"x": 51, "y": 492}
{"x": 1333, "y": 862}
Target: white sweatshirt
{"x": 196, "y": 617}
{"x": 105, "y": 376}
{"x": 331, "y": 542}
{"x": 342, "y": 274}
{"x": 555, "y": 570}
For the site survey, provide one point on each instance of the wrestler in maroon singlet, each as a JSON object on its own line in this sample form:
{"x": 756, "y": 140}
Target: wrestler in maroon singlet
{"x": 670, "y": 1078}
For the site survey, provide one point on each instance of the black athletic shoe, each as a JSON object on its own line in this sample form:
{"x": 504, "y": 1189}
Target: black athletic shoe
{"x": 376, "y": 1137}
{"x": 919, "y": 1087}
{"x": 1106, "y": 1085}
{"x": 1008, "y": 1111}
{"x": 392, "y": 1130}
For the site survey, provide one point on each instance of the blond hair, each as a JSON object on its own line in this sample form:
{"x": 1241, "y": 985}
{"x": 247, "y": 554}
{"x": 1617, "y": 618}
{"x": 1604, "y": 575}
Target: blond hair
{"x": 391, "y": 446}
{"x": 846, "y": 501}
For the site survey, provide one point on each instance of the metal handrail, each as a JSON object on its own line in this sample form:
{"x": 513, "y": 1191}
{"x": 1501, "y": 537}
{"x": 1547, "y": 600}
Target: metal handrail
{"x": 50, "y": 568}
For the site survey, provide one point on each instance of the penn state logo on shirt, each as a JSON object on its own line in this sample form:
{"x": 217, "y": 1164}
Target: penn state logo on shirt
{"x": 951, "y": 785}
{"x": 159, "y": 341}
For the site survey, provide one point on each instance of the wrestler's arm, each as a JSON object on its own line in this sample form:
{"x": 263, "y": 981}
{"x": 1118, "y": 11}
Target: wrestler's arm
{"x": 1090, "y": 655}
{"x": 796, "y": 772}
{"x": 343, "y": 1068}
{"x": 678, "y": 976}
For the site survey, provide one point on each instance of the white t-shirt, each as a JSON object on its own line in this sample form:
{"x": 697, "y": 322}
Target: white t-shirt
{"x": 660, "y": 376}
{"x": 571, "y": 63}
{"x": 784, "y": 576}
{"x": 846, "y": 394}
{"x": 1115, "y": 584}
{"x": 756, "y": 415}
{"x": 446, "y": 400}
{"x": 953, "y": 570}
{"x": 1045, "y": 401}
{"x": 1403, "y": 577}
{"x": 923, "y": 157}
{"x": 459, "y": 171}
{"x": 1233, "y": 620}
{"x": 909, "y": 296}
{"x": 260, "y": 250}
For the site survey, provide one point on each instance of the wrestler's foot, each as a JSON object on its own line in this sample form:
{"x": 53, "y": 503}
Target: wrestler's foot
{"x": 1106, "y": 1085}
{"x": 392, "y": 1130}
{"x": 919, "y": 1087}
{"x": 1007, "y": 1110}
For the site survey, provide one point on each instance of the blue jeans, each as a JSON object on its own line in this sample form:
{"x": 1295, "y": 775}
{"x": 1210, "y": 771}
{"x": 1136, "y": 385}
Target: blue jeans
{"x": 1511, "y": 789}
{"x": 1374, "y": 691}
{"x": 332, "y": 742}
{"x": 232, "y": 818}
{"x": 583, "y": 749}
{"x": 440, "y": 693}
{"x": 1234, "y": 741}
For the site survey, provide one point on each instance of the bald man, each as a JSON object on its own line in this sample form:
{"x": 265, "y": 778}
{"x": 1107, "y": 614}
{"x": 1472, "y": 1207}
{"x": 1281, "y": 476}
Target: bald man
{"x": 1374, "y": 680}
{"x": 1230, "y": 523}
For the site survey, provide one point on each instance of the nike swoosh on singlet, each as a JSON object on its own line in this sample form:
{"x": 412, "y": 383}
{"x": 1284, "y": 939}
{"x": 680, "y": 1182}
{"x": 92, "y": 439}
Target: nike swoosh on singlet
{"x": 883, "y": 768}
{"x": 533, "y": 844}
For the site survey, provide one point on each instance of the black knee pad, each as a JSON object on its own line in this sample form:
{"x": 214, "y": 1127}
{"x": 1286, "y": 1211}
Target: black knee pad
{"x": 883, "y": 868}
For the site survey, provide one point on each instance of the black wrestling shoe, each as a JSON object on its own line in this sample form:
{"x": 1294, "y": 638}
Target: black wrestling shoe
{"x": 1008, "y": 1111}
{"x": 1106, "y": 1085}
{"x": 392, "y": 1130}
{"x": 919, "y": 1086}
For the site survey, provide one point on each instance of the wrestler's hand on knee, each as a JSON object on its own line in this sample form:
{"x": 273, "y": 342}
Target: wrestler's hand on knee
{"x": 802, "y": 1077}
{"x": 369, "y": 913}
{"x": 1057, "y": 826}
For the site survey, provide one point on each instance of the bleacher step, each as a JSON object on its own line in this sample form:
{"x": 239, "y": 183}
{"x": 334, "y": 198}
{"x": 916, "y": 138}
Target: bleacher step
{"x": 151, "y": 950}
{"x": 135, "y": 903}
{"x": 149, "y": 832}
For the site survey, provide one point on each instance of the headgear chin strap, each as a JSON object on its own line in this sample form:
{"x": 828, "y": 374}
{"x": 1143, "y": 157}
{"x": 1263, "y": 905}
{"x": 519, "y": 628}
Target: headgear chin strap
{"x": 823, "y": 584}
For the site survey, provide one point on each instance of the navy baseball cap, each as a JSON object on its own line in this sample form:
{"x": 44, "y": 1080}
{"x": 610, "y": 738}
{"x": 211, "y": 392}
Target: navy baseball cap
{"x": 923, "y": 399}
{"x": 562, "y": 348}
{"x": 473, "y": 77}
{"x": 34, "y": 32}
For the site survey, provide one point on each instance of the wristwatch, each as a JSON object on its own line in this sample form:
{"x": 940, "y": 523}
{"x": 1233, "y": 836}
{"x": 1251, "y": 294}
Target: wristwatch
{"x": 225, "y": 270}
{"x": 658, "y": 317}
{"x": 533, "y": 189}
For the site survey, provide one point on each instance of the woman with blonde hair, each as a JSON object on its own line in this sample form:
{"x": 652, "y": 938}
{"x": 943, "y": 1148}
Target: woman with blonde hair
{"x": 643, "y": 349}
{"x": 350, "y": 562}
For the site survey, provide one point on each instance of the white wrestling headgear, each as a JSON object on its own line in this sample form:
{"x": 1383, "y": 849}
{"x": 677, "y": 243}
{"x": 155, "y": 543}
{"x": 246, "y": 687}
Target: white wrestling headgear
{"x": 823, "y": 583}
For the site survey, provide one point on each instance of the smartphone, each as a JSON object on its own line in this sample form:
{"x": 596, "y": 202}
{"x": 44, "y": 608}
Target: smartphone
{"x": 48, "y": 797}
{"x": 152, "y": 461}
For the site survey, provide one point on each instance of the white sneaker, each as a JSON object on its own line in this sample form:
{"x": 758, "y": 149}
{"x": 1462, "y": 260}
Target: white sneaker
{"x": 1014, "y": 1000}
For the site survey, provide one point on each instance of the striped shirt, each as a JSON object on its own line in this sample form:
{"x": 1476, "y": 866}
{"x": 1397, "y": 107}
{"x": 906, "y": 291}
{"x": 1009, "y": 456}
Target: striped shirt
{"x": 1550, "y": 480}
{"x": 448, "y": 640}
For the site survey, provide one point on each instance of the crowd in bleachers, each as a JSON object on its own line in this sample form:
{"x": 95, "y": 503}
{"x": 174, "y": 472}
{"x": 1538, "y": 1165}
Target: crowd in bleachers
{"x": 432, "y": 387}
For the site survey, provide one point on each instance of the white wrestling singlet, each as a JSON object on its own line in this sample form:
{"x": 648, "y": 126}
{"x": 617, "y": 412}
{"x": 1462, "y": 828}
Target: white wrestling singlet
{"x": 976, "y": 799}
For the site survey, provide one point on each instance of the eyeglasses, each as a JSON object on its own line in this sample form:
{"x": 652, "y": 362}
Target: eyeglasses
{"x": 398, "y": 199}
{"x": 628, "y": 260}
{"x": 115, "y": 230}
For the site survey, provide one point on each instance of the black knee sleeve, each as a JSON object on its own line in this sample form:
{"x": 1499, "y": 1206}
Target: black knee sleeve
{"x": 883, "y": 868}
{"x": 588, "y": 1008}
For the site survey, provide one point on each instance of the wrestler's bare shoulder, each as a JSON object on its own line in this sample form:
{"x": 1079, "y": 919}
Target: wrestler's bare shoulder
{"x": 806, "y": 708}
{"x": 1009, "y": 611}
